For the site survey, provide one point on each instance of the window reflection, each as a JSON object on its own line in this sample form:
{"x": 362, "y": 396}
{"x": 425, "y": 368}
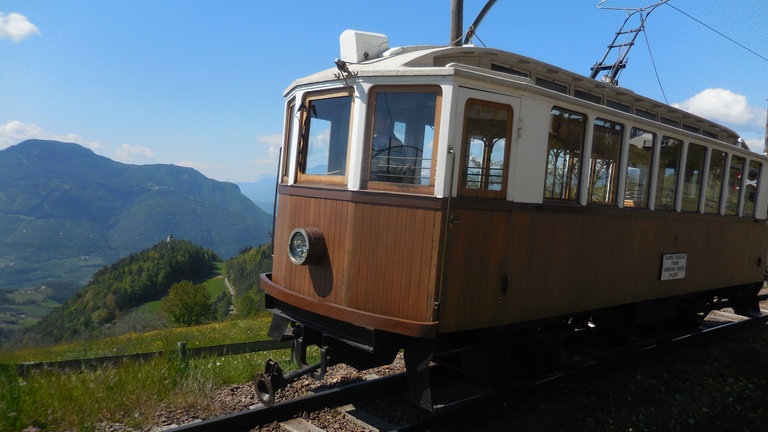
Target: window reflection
{"x": 603, "y": 164}
{"x": 669, "y": 163}
{"x": 564, "y": 152}
{"x": 638, "y": 181}
{"x": 751, "y": 185}
{"x": 403, "y": 135}
{"x": 715, "y": 181}
{"x": 487, "y": 129}
{"x": 325, "y": 136}
{"x": 733, "y": 193}
{"x": 694, "y": 175}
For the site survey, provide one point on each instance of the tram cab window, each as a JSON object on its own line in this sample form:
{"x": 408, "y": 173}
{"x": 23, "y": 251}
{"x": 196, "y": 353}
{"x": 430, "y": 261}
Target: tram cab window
{"x": 604, "y": 161}
{"x": 324, "y": 137}
{"x": 715, "y": 182}
{"x": 666, "y": 179}
{"x": 693, "y": 176}
{"x": 402, "y": 136}
{"x": 733, "y": 192}
{"x": 752, "y": 186}
{"x": 639, "y": 161}
{"x": 485, "y": 148}
{"x": 564, "y": 152}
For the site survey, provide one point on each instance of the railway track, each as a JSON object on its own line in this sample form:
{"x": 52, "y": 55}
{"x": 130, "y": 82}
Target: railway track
{"x": 390, "y": 391}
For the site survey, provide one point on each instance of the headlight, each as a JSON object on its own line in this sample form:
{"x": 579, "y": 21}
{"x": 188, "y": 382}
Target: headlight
{"x": 306, "y": 246}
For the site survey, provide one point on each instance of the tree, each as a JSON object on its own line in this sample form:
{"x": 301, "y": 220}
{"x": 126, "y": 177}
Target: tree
{"x": 188, "y": 304}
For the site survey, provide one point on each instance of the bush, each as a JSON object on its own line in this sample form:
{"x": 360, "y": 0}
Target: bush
{"x": 188, "y": 304}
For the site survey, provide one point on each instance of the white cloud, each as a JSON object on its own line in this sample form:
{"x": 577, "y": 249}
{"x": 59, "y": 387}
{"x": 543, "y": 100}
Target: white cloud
{"x": 269, "y": 150}
{"x": 755, "y": 144}
{"x": 722, "y": 105}
{"x": 272, "y": 140}
{"x": 16, "y": 27}
{"x": 273, "y": 143}
{"x": 16, "y": 131}
{"x": 128, "y": 154}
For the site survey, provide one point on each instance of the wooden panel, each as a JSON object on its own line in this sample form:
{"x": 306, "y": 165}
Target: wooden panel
{"x": 382, "y": 259}
{"x": 559, "y": 260}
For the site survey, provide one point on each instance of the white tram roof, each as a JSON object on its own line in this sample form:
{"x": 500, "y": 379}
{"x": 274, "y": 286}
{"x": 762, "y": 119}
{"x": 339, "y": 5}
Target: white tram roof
{"x": 490, "y": 64}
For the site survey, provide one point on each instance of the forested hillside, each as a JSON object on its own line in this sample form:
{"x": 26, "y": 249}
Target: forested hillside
{"x": 117, "y": 288}
{"x": 243, "y": 273}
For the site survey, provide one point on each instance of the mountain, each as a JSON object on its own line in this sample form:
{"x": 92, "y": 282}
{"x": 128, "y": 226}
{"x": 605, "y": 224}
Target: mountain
{"x": 66, "y": 211}
{"x": 261, "y": 192}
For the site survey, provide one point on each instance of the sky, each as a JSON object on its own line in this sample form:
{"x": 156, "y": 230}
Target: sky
{"x": 199, "y": 83}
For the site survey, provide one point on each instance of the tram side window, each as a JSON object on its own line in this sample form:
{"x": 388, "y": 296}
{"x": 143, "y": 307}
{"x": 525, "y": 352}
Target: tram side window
{"x": 324, "y": 138}
{"x": 604, "y": 162}
{"x": 485, "y": 148}
{"x": 639, "y": 161}
{"x": 734, "y": 185}
{"x": 752, "y": 186}
{"x": 666, "y": 179}
{"x": 403, "y": 136}
{"x": 564, "y": 153}
{"x": 715, "y": 182}
{"x": 693, "y": 176}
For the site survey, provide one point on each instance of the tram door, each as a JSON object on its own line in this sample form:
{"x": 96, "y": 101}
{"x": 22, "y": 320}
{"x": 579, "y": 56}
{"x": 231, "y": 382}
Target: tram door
{"x": 477, "y": 241}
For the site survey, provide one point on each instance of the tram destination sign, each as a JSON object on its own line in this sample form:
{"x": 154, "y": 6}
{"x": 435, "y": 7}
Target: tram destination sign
{"x": 673, "y": 266}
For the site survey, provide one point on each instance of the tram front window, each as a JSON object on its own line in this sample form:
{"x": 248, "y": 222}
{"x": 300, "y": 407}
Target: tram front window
{"x": 324, "y": 139}
{"x": 402, "y": 138}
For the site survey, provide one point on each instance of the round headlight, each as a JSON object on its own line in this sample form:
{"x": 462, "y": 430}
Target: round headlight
{"x": 305, "y": 246}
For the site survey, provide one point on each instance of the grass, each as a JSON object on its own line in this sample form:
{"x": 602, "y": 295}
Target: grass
{"x": 131, "y": 393}
{"x": 216, "y": 286}
{"x": 226, "y": 332}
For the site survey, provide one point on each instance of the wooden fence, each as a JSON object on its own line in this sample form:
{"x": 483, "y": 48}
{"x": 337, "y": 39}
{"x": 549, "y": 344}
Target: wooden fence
{"x": 23, "y": 369}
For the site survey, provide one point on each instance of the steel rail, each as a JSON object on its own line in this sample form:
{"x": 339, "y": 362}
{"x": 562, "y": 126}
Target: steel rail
{"x": 284, "y": 410}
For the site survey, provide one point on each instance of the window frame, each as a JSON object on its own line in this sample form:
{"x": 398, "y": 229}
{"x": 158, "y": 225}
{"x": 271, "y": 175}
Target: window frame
{"x": 717, "y": 189}
{"x": 301, "y": 142}
{"x": 750, "y": 198}
{"x": 575, "y": 196}
{"x": 659, "y": 203}
{"x": 613, "y": 181}
{"x": 365, "y": 173}
{"x": 287, "y": 149}
{"x": 648, "y": 194}
{"x": 464, "y": 152}
{"x": 697, "y": 187}
{"x": 734, "y": 188}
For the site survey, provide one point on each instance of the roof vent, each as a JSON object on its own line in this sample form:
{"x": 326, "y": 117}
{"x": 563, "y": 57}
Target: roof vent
{"x": 359, "y": 46}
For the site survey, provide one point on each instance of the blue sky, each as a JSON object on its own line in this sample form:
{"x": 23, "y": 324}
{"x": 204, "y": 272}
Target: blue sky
{"x": 199, "y": 83}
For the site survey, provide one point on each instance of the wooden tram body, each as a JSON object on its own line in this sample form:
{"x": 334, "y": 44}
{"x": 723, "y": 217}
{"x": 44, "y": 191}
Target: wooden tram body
{"x": 522, "y": 194}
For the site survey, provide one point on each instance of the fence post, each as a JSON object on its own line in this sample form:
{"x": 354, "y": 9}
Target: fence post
{"x": 182, "y": 350}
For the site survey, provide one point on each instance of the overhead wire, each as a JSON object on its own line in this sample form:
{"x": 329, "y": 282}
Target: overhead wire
{"x": 718, "y": 32}
{"x": 648, "y": 46}
{"x": 655, "y": 70}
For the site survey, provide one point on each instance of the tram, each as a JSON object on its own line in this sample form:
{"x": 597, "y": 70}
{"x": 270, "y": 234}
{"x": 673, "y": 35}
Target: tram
{"x": 430, "y": 198}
